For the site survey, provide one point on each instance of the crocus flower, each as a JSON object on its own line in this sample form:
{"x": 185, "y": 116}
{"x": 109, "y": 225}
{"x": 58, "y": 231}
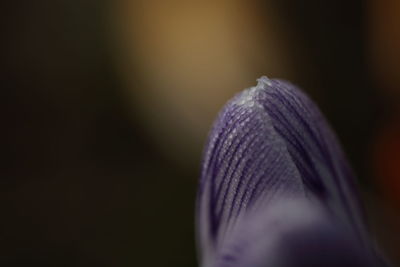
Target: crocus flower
{"x": 276, "y": 189}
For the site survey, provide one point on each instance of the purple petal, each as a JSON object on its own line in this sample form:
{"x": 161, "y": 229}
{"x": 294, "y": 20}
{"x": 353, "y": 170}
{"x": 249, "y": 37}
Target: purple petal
{"x": 294, "y": 233}
{"x": 270, "y": 145}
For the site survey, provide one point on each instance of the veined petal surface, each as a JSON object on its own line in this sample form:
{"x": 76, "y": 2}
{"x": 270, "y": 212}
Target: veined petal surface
{"x": 271, "y": 146}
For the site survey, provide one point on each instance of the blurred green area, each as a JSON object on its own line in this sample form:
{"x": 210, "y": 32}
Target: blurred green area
{"x": 106, "y": 105}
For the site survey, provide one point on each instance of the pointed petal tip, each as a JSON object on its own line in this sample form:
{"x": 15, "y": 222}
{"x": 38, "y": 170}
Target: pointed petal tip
{"x": 271, "y": 141}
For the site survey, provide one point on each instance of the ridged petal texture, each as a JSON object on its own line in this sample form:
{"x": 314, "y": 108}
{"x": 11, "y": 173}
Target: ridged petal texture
{"x": 276, "y": 189}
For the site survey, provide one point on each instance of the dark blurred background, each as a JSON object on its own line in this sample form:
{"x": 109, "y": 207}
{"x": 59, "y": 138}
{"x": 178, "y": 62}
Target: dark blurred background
{"x": 105, "y": 106}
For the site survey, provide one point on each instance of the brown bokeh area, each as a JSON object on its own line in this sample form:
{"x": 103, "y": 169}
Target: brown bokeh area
{"x": 105, "y": 107}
